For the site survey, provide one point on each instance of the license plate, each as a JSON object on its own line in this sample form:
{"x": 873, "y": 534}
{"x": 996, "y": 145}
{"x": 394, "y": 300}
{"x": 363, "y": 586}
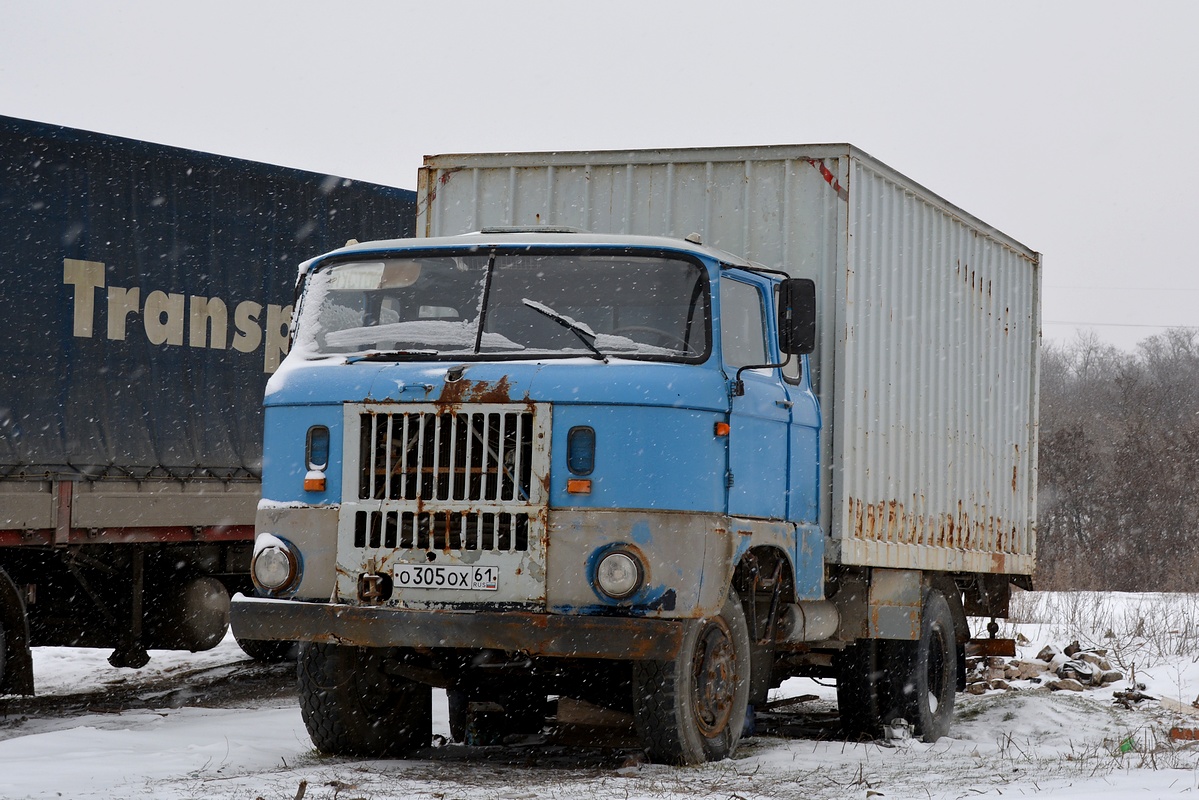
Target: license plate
{"x": 447, "y": 576}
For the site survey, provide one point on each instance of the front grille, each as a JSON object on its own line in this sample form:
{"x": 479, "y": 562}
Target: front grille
{"x": 453, "y": 485}
{"x": 478, "y": 456}
{"x": 442, "y": 530}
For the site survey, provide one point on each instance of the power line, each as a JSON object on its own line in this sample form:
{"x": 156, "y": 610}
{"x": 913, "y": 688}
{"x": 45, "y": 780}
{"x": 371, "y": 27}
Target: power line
{"x": 1092, "y": 287}
{"x": 1117, "y": 324}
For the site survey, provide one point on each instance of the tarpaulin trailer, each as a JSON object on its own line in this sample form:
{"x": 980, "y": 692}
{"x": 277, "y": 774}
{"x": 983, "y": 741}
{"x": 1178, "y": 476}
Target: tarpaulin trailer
{"x": 146, "y": 295}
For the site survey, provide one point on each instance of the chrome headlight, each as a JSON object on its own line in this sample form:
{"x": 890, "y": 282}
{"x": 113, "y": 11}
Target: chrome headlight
{"x": 619, "y": 574}
{"x": 276, "y": 566}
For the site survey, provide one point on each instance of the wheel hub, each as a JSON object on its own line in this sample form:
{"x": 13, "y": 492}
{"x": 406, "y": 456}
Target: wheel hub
{"x": 715, "y": 679}
{"x": 936, "y": 669}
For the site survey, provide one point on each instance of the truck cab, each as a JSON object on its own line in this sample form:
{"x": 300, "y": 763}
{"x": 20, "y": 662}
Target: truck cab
{"x": 526, "y": 463}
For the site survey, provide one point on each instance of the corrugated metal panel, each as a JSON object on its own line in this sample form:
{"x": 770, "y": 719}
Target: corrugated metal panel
{"x": 926, "y": 362}
{"x": 934, "y": 417}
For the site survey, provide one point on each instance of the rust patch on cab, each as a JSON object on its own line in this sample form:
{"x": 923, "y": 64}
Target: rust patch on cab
{"x": 464, "y": 391}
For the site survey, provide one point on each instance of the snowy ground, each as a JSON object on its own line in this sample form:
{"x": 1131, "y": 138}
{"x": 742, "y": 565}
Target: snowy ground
{"x": 214, "y": 725}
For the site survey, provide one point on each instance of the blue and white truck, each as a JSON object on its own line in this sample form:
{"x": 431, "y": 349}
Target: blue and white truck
{"x": 568, "y": 444}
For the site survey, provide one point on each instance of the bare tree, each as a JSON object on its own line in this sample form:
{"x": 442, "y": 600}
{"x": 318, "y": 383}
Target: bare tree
{"x": 1119, "y": 464}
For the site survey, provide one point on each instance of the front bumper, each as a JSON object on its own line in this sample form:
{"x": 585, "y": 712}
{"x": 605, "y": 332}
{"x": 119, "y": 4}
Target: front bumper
{"x": 561, "y": 635}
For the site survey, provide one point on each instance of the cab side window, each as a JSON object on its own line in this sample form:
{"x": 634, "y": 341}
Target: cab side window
{"x": 742, "y": 324}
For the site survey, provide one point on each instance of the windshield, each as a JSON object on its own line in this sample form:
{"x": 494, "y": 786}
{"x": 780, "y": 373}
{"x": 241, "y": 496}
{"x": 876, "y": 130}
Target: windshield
{"x": 592, "y": 304}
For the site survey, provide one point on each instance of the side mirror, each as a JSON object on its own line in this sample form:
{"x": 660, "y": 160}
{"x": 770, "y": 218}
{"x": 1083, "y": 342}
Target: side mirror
{"x": 797, "y": 316}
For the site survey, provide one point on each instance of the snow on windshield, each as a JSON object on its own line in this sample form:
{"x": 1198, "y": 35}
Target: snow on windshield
{"x": 429, "y": 334}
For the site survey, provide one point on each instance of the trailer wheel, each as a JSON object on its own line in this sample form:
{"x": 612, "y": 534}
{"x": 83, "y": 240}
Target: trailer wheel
{"x": 692, "y": 708}
{"x": 16, "y": 660}
{"x": 353, "y": 707}
{"x": 927, "y": 671}
{"x": 863, "y": 689}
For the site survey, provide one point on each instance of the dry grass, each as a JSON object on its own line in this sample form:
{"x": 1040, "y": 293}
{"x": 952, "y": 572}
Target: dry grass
{"x": 1138, "y": 631}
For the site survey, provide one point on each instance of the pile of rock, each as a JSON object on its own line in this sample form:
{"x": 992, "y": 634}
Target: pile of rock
{"x": 1070, "y": 669}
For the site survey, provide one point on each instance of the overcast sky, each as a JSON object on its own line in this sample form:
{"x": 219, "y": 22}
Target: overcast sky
{"x": 1071, "y": 126}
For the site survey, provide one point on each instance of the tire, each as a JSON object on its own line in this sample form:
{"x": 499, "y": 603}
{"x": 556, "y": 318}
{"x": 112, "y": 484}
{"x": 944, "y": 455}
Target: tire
{"x": 268, "y": 652}
{"x": 3, "y": 654}
{"x": 692, "y": 708}
{"x": 863, "y": 689}
{"x": 353, "y": 707}
{"x": 926, "y": 671}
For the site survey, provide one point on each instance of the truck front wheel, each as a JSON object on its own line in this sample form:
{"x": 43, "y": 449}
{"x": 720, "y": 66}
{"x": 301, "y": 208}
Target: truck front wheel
{"x": 927, "y": 671}
{"x": 352, "y": 706}
{"x": 692, "y": 708}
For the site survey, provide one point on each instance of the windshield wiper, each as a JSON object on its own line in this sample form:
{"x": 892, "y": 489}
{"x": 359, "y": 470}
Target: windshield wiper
{"x": 585, "y": 334}
{"x": 486, "y": 301}
{"x": 389, "y": 355}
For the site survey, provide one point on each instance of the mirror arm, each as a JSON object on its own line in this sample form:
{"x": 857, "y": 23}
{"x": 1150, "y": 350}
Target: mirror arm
{"x": 739, "y": 385}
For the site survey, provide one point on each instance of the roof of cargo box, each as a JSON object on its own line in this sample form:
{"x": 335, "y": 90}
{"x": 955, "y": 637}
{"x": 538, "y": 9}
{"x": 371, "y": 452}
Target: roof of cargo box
{"x": 651, "y": 155}
{"x": 448, "y": 163}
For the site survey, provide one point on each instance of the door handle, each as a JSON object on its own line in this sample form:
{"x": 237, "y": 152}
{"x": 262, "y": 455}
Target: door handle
{"x": 784, "y": 403}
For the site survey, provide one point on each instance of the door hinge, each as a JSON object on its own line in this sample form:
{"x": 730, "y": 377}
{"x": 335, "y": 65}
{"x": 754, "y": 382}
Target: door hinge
{"x": 728, "y": 479}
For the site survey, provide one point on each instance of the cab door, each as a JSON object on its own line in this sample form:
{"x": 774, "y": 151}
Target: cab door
{"x": 759, "y": 415}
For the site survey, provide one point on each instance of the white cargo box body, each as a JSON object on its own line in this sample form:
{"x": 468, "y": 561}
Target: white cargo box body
{"x": 927, "y": 354}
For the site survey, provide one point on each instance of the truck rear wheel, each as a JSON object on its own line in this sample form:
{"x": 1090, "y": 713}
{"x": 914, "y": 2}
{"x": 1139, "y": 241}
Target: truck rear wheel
{"x": 353, "y": 707}
{"x": 692, "y": 708}
{"x": 927, "y": 671}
